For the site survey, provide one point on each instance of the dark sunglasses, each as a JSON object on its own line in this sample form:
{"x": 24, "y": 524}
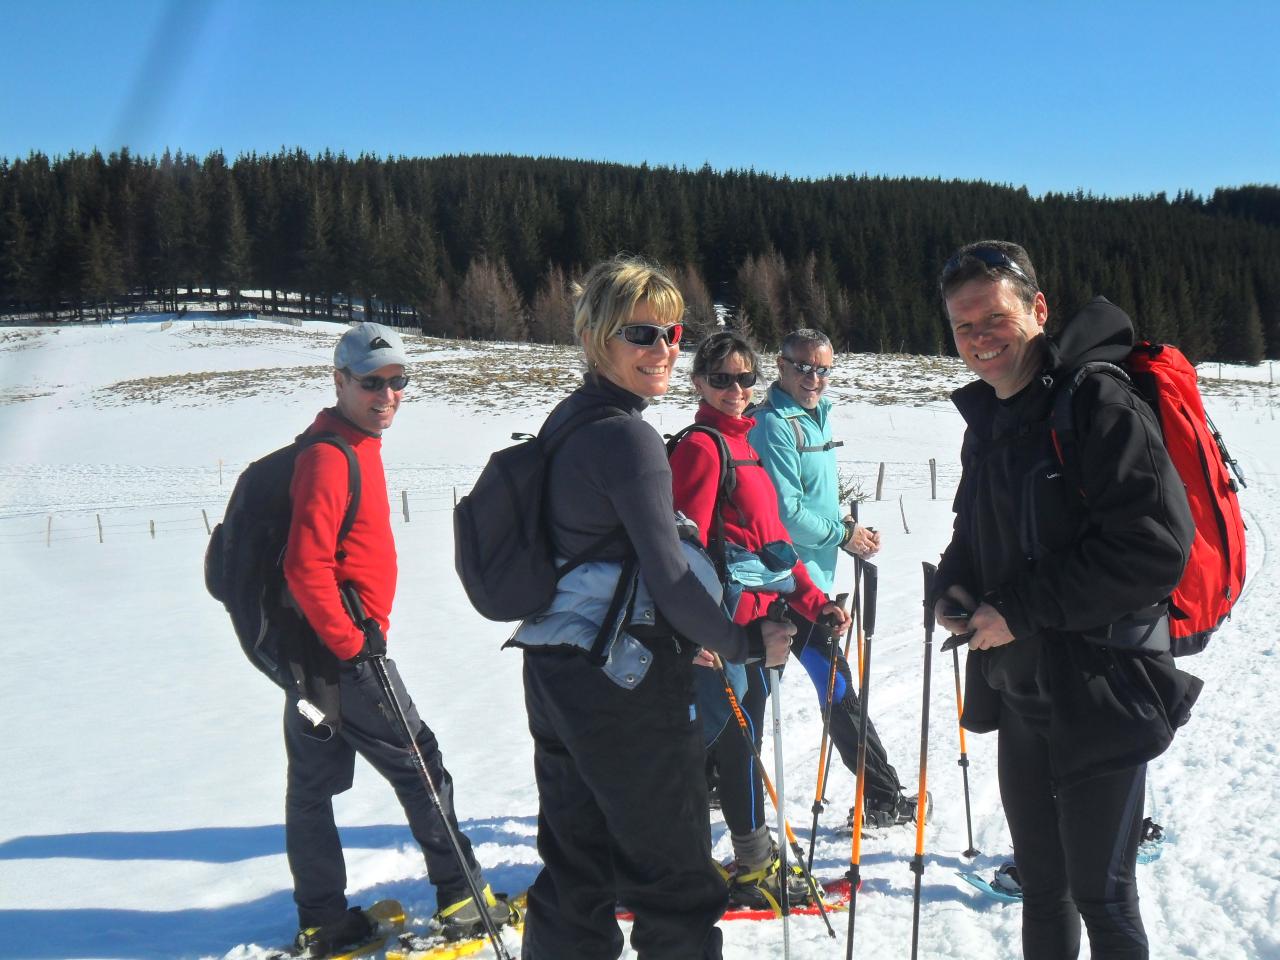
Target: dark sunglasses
{"x": 807, "y": 368}
{"x": 647, "y": 334}
{"x": 996, "y": 259}
{"x": 378, "y": 384}
{"x": 723, "y": 381}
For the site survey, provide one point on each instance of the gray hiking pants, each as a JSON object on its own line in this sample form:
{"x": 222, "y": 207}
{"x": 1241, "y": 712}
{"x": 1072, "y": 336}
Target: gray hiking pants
{"x": 319, "y": 770}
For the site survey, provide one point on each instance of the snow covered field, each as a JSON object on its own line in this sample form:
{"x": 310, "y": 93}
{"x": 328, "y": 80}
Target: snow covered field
{"x": 141, "y": 800}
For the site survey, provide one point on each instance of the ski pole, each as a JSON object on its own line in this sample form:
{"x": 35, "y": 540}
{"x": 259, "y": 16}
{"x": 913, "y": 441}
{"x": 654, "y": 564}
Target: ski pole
{"x": 827, "y": 747}
{"x": 824, "y": 758}
{"x": 917, "y": 862}
{"x": 778, "y": 612}
{"x": 871, "y": 582}
{"x": 964, "y": 754}
{"x": 745, "y": 729}
{"x": 354, "y": 607}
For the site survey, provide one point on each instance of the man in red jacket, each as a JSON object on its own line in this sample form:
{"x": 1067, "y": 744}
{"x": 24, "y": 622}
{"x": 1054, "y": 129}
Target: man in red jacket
{"x": 369, "y": 379}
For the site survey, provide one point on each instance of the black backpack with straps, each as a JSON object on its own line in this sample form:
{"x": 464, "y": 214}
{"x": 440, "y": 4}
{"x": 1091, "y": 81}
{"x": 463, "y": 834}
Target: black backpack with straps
{"x": 502, "y": 549}
{"x": 244, "y": 569}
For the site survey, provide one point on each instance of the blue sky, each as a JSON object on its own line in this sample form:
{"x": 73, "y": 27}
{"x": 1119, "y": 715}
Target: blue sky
{"x": 1114, "y": 98}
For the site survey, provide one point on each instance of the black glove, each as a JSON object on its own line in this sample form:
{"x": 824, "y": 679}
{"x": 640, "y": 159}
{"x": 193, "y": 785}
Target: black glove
{"x": 755, "y": 640}
{"x": 375, "y": 642}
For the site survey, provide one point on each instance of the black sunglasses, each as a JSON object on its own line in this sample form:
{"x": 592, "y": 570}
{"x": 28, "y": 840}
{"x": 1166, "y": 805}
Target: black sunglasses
{"x": 807, "y": 368}
{"x": 378, "y": 384}
{"x": 996, "y": 259}
{"x": 647, "y": 334}
{"x": 723, "y": 381}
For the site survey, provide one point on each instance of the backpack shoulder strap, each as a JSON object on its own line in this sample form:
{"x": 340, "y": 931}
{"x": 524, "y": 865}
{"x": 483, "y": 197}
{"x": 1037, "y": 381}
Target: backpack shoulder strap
{"x": 353, "y": 475}
{"x": 802, "y": 447}
{"x": 1062, "y": 418}
{"x": 552, "y": 440}
{"x": 550, "y": 443}
{"x": 725, "y": 486}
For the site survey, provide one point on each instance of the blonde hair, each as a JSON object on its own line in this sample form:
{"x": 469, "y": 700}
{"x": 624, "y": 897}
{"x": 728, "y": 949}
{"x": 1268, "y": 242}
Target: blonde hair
{"x": 607, "y": 298}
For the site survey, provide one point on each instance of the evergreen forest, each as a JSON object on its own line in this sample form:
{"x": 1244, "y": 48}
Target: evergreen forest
{"x": 488, "y": 247}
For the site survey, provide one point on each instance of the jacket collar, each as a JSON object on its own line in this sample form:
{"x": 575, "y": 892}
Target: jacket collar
{"x": 709, "y": 416}
{"x": 786, "y": 405}
{"x": 605, "y": 392}
{"x": 331, "y": 420}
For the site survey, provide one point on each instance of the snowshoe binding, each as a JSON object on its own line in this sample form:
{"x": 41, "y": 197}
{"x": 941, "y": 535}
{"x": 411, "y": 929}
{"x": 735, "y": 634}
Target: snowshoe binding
{"x": 461, "y": 920}
{"x": 879, "y": 815}
{"x": 759, "y": 887}
{"x": 1152, "y": 843}
{"x": 356, "y": 933}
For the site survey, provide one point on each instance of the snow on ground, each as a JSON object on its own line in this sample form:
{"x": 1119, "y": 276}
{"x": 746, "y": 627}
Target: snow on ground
{"x": 141, "y": 806}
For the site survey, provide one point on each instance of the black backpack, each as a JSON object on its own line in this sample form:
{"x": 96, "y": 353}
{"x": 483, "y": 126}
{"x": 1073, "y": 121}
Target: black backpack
{"x": 244, "y": 569}
{"x": 502, "y": 550}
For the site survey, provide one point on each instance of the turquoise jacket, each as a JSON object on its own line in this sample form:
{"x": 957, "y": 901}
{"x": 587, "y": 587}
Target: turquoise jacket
{"x": 805, "y": 478}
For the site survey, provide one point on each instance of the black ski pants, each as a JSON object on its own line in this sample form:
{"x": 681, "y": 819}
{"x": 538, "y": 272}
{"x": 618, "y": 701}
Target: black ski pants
{"x": 319, "y": 770}
{"x": 1076, "y": 848}
{"x": 814, "y": 647}
{"x": 622, "y": 812}
{"x": 742, "y": 795}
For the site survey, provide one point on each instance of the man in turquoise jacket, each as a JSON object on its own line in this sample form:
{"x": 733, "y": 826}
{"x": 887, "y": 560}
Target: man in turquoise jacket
{"x": 792, "y": 435}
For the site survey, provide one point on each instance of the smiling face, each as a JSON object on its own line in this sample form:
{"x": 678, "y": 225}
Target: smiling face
{"x": 733, "y": 399}
{"x": 644, "y": 371}
{"x": 370, "y": 410}
{"x": 804, "y": 388}
{"x": 996, "y": 334}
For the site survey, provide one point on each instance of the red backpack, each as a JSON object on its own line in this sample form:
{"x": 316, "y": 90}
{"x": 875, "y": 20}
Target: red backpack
{"x": 1214, "y": 576}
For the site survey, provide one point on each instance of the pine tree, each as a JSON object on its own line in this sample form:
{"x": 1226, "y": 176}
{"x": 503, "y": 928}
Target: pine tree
{"x": 551, "y": 314}
{"x": 489, "y": 305}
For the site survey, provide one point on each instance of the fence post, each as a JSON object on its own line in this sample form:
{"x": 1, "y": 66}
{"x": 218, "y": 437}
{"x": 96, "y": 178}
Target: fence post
{"x": 455, "y": 498}
{"x": 205, "y": 513}
{"x": 933, "y": 478}
{"x": 880, "y": 480}
{"x": 903, "y": 510}
{"x": 48, "y": 532}
{"x": 99, "y": 516}
{"x": 153, "y": 529}
{"x": 404, "y": 500}
{"x": 219, "y": 471}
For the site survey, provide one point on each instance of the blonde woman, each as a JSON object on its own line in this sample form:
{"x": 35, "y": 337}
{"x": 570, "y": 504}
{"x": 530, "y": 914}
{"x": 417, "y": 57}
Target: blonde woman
{"x": 618, "y": 752}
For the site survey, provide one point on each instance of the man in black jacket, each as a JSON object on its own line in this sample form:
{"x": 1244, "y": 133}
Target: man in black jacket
{"x": 1064, "y": 591}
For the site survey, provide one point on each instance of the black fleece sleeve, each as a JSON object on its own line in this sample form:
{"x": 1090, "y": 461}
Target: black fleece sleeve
{"x": 1137, "y": 533}
{"x": 638, "y": 482}
{"x": 956, "y": 565}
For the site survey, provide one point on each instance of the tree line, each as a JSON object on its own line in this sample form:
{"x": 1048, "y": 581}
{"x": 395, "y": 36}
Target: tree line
{"x": 488, "y": 247}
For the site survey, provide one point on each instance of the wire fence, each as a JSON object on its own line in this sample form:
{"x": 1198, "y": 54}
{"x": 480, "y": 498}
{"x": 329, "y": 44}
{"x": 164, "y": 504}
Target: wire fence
{"x": 903, "y": 481}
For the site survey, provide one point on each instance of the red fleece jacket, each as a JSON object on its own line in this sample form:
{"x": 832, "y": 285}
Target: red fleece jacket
{"x": 750, "y": 517}
{"x": 311, "y": 568}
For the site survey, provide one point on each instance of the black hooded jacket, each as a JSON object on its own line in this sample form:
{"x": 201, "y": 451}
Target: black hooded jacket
{"x": 1061, "y": 565}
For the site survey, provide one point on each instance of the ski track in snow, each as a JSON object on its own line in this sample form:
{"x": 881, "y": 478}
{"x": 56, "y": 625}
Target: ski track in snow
{"x": 144, "y": 793}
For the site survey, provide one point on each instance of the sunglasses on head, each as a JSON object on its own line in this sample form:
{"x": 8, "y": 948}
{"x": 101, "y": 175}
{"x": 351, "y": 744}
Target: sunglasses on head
{"x": 378, "y": 384}
{"x": 996, "y": 259}
{"x": 805, "y": 369}
{"x": 723, "y": 381}
{"x": 647, "y": 334}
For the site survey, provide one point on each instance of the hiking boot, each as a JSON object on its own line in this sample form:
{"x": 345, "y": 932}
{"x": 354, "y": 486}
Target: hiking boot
{"x": 350, "y": 930}
{"x": 757, "y": 887}
{"x": 1007, "y": 880}
{"x": 461, "y": 920}
{"x": 878, "y": 814}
